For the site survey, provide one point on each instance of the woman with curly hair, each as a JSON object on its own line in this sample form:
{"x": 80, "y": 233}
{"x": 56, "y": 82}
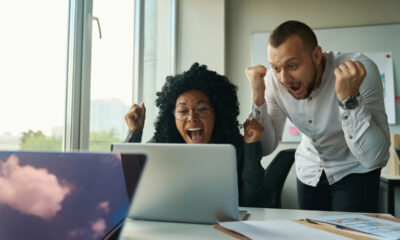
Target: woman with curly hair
{"x": 201, "y": 106}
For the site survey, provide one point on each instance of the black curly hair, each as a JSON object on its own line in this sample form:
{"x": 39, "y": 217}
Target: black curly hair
{"x": 221, "y": 93}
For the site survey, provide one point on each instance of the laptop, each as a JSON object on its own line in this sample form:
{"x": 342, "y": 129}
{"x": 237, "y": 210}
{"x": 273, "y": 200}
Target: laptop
{"x": 55, "y": 195}
{"x": 191, "y": 183}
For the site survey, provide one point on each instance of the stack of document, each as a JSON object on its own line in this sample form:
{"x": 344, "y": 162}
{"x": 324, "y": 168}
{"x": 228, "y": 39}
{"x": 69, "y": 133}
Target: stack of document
{"x": 371, "y": 224}
{"x": 352, "y": 226}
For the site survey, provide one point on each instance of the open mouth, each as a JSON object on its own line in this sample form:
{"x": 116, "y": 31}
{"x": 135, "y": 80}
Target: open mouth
{"x": 195, "y": 134}
{"x": 295, "y": 87}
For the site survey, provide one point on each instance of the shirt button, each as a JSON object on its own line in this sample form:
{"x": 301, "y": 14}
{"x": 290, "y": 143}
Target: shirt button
{"x": 350, "y": 136}
{"x": 310, "y": 98}
{"x": 345, "y": 117}
{"x": 320, "y": 152}
{"x": 314, "y": 139}
{"x": 309, "y": 121}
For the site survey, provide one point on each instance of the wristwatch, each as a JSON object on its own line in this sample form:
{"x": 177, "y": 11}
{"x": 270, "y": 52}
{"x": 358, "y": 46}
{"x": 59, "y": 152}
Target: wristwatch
{"x": 350, "y": 102}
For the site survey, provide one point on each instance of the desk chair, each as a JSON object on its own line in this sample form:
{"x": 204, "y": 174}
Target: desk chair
{"x": 275, "y": 176}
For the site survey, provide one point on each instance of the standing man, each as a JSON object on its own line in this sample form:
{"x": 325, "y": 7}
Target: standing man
{"x": 336, "y": 100}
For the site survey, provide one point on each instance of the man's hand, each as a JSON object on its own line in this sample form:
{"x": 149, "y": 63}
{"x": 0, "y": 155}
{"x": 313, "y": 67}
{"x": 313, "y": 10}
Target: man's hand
{"x": 135, "y": 117}
{"x": 349, "y": 77}
{"x": 252, "y": 130}
{"x": 255, "y": 75}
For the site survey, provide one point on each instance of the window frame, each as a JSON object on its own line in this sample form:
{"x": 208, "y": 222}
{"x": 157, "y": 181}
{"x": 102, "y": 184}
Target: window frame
{"x": 77, "y": 107}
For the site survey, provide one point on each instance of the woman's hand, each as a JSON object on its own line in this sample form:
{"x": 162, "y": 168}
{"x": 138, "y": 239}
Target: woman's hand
{"x": 252, "y": 130}
{"x": 135, "y": 117}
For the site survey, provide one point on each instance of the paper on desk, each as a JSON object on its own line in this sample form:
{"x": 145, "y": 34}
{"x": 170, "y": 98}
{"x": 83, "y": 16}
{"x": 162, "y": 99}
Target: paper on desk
{"x": 371, "y": 225}
{"x": 277, "y": 230}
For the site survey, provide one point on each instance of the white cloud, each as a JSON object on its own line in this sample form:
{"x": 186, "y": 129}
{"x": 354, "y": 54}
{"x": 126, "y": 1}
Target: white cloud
{"x": 30, "y": 190}
{"x": 95, "y": 230}
{"x": 98, "y": 227}
{"x": 104, "y": 206}
{"x": 76, "y": 233}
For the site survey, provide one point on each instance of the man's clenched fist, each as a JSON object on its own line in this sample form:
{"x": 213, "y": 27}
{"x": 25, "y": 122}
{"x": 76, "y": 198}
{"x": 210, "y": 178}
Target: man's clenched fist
{"x": 349, "y": 77}
{"x": 255, "y": 75}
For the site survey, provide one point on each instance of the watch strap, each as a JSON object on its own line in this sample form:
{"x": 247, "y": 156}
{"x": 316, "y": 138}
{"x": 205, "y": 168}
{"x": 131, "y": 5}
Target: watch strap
{"x": 342, "y": 104}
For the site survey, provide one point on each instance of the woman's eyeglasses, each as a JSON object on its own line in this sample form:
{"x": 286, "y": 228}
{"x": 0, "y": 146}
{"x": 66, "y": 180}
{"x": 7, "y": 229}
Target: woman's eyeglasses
{"x": 183, "y": 112}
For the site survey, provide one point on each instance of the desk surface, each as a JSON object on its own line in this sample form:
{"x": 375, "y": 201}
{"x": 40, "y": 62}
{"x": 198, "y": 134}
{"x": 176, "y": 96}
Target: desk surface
{"x": 136, "y": 229}
{"x": 389, "y": 176}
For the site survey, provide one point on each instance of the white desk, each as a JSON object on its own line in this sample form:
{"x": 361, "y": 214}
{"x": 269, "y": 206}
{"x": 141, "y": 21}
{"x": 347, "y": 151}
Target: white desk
{"x": 136, "y": 229}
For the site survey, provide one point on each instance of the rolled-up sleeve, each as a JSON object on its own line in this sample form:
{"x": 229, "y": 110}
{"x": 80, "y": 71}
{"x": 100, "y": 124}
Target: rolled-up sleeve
{"x": 134, "y": 137}
{"x": 366, "y": 128}
{"x": 271, "y": 116}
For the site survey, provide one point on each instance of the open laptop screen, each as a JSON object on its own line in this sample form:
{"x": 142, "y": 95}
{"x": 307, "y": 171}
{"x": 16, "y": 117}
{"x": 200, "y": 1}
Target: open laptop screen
{"x": 49, "y": 195}
{"x": 194, "y": 183}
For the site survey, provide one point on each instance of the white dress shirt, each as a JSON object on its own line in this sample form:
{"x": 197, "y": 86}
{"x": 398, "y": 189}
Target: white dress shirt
{"x": 337, "y": 141}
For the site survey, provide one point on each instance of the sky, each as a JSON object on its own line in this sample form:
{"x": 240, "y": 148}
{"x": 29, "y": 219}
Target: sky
{"x": 33, "y": 60}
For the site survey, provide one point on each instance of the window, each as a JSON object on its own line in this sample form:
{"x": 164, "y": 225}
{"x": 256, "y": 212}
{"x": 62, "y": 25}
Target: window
{"x": 33, "y": 51}
{"x": 158, "y": 56}
{"x": 65, "y": 88}
{"x": 111, "y": 72}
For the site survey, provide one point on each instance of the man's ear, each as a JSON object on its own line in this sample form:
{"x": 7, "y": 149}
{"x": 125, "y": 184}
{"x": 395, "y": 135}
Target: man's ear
{"x": 317, "y": 55}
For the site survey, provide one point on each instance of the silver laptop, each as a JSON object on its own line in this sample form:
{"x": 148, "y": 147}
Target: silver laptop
{"x": 192, "y": 183}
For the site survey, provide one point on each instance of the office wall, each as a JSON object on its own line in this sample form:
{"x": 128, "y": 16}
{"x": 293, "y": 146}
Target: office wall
{"x": 201, "y": 34}
{"x": 246, "y": 16}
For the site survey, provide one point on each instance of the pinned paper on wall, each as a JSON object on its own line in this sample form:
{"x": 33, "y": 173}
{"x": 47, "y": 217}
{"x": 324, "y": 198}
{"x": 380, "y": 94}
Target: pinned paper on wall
{"x": 293, "y": 131}
{"x": 384, "y": 61}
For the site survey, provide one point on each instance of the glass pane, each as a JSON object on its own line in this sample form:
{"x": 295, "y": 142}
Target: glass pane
{"x": 157, "y": 57}
{"x": 111, "y": 73}
{"x": 33, "y": 50}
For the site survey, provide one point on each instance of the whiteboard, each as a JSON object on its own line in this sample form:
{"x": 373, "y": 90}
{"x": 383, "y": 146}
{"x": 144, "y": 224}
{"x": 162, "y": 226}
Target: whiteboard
{"x": 375, "y": 41}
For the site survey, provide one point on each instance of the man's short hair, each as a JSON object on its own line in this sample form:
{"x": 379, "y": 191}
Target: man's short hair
{"x": 293, "y": 28}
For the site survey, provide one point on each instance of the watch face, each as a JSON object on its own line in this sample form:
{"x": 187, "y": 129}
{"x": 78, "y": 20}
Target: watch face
{"x": 351, "y": 102}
